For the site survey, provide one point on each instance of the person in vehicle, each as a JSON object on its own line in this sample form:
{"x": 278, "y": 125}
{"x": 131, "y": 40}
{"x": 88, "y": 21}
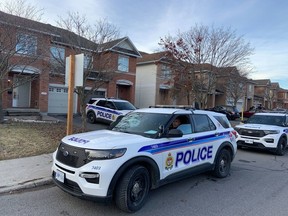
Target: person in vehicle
{"x": 175, "y": 123}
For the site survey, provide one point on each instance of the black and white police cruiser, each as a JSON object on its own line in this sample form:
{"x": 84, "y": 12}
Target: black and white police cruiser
{"x": 107, "y": 110}
{"x": 141, "y": 151}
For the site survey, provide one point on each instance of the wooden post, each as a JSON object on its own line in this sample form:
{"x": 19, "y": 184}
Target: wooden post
{"x": 70, "y": 95}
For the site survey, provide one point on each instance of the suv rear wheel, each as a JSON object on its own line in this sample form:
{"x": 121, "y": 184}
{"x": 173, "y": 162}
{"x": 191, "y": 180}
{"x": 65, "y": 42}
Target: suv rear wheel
{"x": 133, "y": 189}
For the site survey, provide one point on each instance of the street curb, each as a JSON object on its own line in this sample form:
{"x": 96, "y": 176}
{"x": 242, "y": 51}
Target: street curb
{"x": 26, "y": 186}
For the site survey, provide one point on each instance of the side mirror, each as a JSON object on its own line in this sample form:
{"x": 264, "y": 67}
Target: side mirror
{"x": 113, "y": 124}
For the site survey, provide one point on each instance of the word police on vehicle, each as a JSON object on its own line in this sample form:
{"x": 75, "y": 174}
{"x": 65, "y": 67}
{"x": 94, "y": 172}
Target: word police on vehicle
{"x": 141, "y": 151}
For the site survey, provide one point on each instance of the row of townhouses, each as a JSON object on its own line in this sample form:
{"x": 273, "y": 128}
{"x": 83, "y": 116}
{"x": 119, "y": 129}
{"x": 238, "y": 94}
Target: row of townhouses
{"x": 32, "y": 49}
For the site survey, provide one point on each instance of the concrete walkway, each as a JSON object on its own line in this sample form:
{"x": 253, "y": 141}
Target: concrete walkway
{"x": 25, "y": 173}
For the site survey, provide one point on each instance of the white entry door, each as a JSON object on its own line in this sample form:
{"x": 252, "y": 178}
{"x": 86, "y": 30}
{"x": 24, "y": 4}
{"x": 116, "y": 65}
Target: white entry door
{"x": 21, "y": 95}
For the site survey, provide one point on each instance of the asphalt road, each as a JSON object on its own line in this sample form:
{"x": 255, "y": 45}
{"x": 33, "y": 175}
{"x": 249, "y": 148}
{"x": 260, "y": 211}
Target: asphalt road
{"x": 257, "y": 186}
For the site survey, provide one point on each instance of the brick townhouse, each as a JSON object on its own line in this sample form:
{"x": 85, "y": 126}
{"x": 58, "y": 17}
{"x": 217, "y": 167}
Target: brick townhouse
{"x": 30, "y": 49}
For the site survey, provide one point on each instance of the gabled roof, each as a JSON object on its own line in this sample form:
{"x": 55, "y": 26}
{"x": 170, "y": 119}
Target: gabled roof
{"x": 65, "y": 37}
{"x": 275, "y": 85}
{"x": 123, "y": 45}
{"x": 152, "y": 58}
{"x": 262, "y": 82}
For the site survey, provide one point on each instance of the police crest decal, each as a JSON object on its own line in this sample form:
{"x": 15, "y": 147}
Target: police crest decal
{"x": 169, "y": 162}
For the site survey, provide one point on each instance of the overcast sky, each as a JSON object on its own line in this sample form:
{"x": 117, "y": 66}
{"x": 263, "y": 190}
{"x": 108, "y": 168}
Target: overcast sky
{"x": 263, "y": 23}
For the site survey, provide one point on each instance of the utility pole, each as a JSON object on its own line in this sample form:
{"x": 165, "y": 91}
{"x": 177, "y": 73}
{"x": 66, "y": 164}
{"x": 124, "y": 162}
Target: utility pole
{"x": 71, "y": 85}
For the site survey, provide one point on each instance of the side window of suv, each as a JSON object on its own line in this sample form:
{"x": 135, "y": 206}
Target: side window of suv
{"x": 101, "y": 103}
{"x": 202, "y": 123}
{"x": 183, "y": 124}
{"x": 110, "y": 105}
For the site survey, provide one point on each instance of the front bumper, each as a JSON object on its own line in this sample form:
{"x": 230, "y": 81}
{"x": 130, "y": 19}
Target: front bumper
{"x": 73, "y": 182}
{"x": 266, "y": 142}
{"x": 73, "y": 188}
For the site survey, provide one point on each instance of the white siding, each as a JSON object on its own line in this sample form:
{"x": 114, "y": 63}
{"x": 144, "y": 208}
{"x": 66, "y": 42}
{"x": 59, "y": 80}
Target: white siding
{"x": 145, "y": 88}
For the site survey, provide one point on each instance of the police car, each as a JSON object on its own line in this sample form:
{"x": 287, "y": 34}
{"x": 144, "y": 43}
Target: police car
{"x": 107, "y": 110}
{"x": 140, "y": 151}
{"x": 264, "y": 131}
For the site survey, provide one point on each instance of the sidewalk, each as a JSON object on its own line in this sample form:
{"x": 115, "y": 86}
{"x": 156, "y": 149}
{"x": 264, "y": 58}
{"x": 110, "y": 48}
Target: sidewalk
{"x": 25, "y": 173}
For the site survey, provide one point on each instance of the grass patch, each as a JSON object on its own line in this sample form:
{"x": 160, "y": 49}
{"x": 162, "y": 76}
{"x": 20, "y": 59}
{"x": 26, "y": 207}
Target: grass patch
{"x": 22, "y": 139}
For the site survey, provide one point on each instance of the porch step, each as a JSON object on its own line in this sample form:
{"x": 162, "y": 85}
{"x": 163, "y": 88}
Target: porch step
{"x": 22, "y": 112}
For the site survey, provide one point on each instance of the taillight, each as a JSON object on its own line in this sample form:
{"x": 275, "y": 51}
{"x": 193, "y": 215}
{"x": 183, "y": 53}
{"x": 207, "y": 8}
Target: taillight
{"x": 235, "y": 133}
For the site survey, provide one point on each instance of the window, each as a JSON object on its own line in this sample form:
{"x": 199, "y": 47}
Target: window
{"x": 123, "y": 63}
{"x": 88, "y": 61}
{"x": 26, "y": 44}
{"x": 223, "y": 121}
{"x": 203, "y": 123}
{"x": 57, "y": 54}
{"x": 165, "y": 72}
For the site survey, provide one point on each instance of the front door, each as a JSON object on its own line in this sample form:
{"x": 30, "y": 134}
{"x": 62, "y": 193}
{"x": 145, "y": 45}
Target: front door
{"x": 21, "y": 94}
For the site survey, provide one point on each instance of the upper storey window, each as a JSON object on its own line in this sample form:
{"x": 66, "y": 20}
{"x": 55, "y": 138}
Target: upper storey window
{"x": 123, "y": 63}
{"x": 57, "y": 54}
{"x": 26, "y": 44}
{"x": 165, "y": 72}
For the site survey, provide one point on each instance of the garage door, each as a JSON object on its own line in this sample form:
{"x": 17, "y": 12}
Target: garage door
{"x": 58, "y": 100}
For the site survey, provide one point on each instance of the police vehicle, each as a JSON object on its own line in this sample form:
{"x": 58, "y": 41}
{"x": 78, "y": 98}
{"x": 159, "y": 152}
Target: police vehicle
{"x": 140, "y": 151}
{"x": 107, "y": 110}
{"x": 264, "y": 131}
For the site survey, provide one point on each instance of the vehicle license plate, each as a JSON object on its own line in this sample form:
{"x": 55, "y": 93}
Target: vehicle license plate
{"x": 60, "y": 176}
{"x": 249, "y": 141}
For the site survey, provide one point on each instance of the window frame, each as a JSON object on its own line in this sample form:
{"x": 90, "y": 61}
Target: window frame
{"x": 166, "y": 72}
{"x": 123, "y": 66}
{"x": 26, "y": 44}
{"x": 59, "y": 55}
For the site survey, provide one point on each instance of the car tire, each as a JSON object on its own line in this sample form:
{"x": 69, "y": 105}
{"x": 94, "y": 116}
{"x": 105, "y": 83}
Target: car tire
{"x": 281, "y": 146}
{"x": 133, "y": 188}
{"x": 91, "y": 117}
{"x": 222, "y": 164}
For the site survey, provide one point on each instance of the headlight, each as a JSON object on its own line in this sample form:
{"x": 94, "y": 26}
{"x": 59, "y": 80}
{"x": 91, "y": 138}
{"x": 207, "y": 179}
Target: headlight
{"x": 271, "y": 132}
{"x": 105, "y": 154}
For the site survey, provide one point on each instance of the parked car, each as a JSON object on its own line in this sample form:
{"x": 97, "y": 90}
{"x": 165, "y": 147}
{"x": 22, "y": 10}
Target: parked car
{"x": 140, "y": 152}
{"x": 230, "y": 111}
{"x": 264, "y": 131}
{"x": 252, "y": 110}
{"x": 107, "y": 110}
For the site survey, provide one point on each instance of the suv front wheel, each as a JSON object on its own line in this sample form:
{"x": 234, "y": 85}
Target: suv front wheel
{"x": 133, "y": 189}
{"x": 281, "y": 147}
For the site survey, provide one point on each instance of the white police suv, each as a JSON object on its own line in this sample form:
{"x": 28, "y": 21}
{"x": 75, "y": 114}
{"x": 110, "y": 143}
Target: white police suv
{"x": 140, "y": 152}
{"x": 107, "y": 110}
{"x": 264, "y": 131}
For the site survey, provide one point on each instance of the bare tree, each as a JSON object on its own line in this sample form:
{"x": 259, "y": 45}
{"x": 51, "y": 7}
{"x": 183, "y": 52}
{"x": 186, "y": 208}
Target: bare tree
{"x": 207, "y": 49}
{"x": 93, "y": 41}
{"x": 234, "y": 84}
{"x": 23, "y": 9}
{"x": 270, "y": 95}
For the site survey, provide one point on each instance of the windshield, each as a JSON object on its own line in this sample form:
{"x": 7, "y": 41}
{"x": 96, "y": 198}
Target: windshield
{"x": 267, "y": 120}
{"x": 124, "y": 105}
{"x": 145, "y": 124}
